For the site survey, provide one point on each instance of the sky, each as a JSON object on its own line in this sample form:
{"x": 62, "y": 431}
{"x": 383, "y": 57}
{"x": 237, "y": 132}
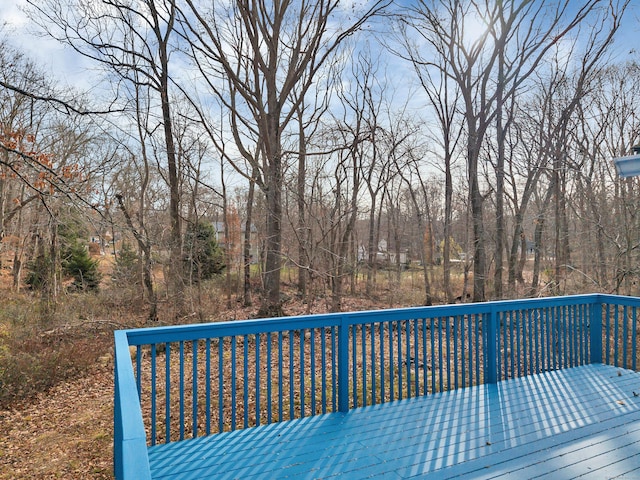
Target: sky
{"x": 69, "y": 68}
{"x": 63, "y": 64}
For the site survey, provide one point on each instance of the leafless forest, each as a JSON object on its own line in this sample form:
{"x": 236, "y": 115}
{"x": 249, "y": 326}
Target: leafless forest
{"x": 216, "y": 160}
{"x": 326, "y": 144}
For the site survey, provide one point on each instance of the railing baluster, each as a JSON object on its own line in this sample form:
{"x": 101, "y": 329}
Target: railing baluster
{"x": 181, "y": 390}
{"x": 374, "y": 383}
{"x": 424, "y": 357}
{"x": 440, "y": 357}
{"x": 335, "y": 354}
{"x": 363, "y": 369}
{"x": 323, "y": 354}
{"x": 478, "y": 341}
{"x": 574, "y": 337}
{"x": 291, "y": 374}
{"x": 492, "y": 373}
{"x": 207, "y": 387}
{"x": 280, "y": 377}
{"x": 448, "y": 344}
{"x": 529, "y": 343}
{"x": 608, "y": 335}
{"x": 153, "y": 394}
{"x": 514, "y": 320}
{"x": 501, "y": 345}
{"x": 579, "y": 332}
{"x": 433, "y": 354}
{"x": 344, "y": 331}
{"x": 616, "y": 337}
{"x": 549, "y": 333}
{"x": 354, "y": 367}
{"x": 536, "y": 345}
{"x": 234, "y": 366}
{"x": 416, "y": 359}
{"x": 269, "y": 380}
{"x": 194, "y": 388}
{"x": 392, "y": 368}
{"x": 455, "y": 352}
{"x": 560, "y": 337}
{"x": 303, "y": 339}
{"x": 522, "y": 344}
{"x": 566, "y": 335}
{"x": 469, "y": 321}
{"x": 258, "y": 394}
{"x": 400, "y": 373}
{"x": 220, "y": 384}
{"x": 583, "y": 338}
{"x": 578, "y": 336}
{"x": 167, "y": 397}
{"x": 407, "y": 329}
{"x": 570, "y": 336}
{"x": 559, "y": 316}
{"x": 312, "y": 371}
{"x": 512, "y": 364}
{"x": 383, "y": 392}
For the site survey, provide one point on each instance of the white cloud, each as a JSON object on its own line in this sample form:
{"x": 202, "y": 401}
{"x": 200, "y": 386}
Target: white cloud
{"x": 61, "y": 62}
{"x": 11, "y": 15}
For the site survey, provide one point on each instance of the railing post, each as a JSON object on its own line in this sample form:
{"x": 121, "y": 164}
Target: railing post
{"x": 491, "y": 347}
{"x": 130, "y": 454}
{"x": 595, "y": 331}
{"x": 343, "y": 365}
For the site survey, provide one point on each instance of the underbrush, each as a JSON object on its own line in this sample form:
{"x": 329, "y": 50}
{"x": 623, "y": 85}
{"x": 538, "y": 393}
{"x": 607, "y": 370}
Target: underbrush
{"x": 44, "y": 344}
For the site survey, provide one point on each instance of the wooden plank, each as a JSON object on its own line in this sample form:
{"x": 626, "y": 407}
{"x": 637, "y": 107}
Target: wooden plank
{"x": 527, "y": 461}
{"x": 491, "y": 430}
{"x": 608, "y": 410}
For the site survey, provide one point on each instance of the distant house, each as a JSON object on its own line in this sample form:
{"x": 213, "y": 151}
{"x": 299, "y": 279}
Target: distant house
{"x": 382, "y": 255}
{"x": 221, "y": 238}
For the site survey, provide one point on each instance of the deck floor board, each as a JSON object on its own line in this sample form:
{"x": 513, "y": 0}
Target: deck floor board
{"x": 577, "y": 422}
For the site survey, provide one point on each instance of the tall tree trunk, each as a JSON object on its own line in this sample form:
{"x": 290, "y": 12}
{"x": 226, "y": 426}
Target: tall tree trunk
{"x": 372, "y": 248}
{"x": 537, "y": 239}
{"x": 144, "y": 245}
{"x": 501, "y": 137}
{"x": 303, "y": 259}
{"x": 227, "y": 236}
{"x": 175, "y": 265}
{"x": 476, "y": 199}
{"x": 448, "y": 216}
{"x": 271, "y": 303}
{"x": 247, "y": 243}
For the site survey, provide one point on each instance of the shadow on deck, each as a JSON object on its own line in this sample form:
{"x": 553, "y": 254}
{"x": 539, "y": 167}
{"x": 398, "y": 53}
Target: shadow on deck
{"x": 582, "y": 421}
{"x": 511, "y": 389}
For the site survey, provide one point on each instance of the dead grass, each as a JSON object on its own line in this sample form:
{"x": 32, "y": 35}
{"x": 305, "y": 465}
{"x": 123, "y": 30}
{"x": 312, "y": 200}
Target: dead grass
{"x": 64, "y": 433}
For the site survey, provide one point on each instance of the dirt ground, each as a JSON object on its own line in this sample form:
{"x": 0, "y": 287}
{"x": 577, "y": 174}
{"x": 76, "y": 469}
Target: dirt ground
{"x": 66, "y": 433}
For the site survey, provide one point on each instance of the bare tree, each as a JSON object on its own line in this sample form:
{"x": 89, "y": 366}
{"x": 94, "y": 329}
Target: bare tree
{"x": 489, "y": 67}
{"x": 132, "y": 40}
{"x": 253, "y": 56}
{"x": 443, "y": 96}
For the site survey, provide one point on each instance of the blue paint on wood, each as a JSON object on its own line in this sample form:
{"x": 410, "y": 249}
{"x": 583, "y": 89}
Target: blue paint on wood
{"x": 504, "y": 340}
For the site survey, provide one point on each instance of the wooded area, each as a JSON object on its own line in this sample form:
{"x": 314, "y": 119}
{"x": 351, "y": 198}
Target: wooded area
{"x": 469, "y": 142}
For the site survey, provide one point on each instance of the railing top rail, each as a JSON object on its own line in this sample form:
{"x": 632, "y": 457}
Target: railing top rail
{"x": 151, "y": 335}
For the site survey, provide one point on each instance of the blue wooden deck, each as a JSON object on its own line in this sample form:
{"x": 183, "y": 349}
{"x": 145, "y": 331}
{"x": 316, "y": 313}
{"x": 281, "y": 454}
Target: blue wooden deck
{"x": 511, "y": 389}
{"x": 575, "y": 422}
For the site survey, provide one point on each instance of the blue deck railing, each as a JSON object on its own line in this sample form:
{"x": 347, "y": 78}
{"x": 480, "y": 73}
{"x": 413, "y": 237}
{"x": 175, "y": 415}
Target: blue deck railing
{"x": 174, "y": 383}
